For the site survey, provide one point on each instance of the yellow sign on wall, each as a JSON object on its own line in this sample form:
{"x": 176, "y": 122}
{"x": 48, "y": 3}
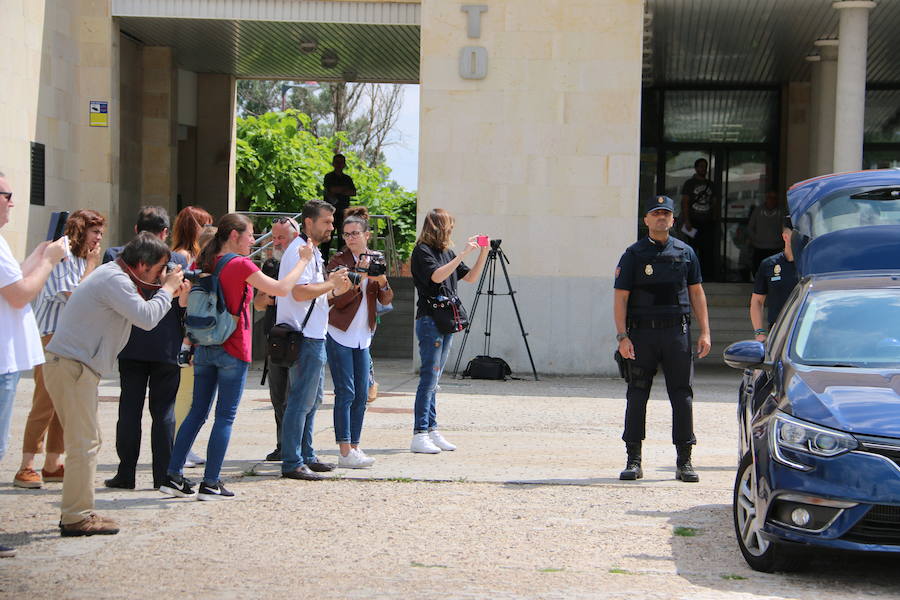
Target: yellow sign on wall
{"x": 99, "y": 113}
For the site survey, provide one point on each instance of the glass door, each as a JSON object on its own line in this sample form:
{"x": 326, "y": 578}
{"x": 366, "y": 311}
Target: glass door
{"x": 748, "y": 175}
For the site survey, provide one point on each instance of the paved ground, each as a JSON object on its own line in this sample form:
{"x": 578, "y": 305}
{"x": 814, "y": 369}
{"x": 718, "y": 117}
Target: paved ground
{"x": 530, "y": 506}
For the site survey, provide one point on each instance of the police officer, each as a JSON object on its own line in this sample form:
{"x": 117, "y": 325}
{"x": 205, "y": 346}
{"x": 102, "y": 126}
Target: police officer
{"x": 657, "y": 284}
{"x": 775, "y": 279}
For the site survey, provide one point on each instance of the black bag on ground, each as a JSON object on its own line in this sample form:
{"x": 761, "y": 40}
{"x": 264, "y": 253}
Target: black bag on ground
{"x": 487, "y": 367}
{"x": 448, "y": 314}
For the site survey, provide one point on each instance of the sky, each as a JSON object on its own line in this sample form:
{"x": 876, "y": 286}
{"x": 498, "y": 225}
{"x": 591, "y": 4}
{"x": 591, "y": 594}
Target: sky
{"x": 403, "y": 157}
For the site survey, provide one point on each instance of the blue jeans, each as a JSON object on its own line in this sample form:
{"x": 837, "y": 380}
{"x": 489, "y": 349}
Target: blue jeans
{"x": 306, "y": 386}
{"x": 350, "y": 373}
{"x": 434, "y": 349}
{"x": 213, "y": 369}
{"x": 8, "y": 383}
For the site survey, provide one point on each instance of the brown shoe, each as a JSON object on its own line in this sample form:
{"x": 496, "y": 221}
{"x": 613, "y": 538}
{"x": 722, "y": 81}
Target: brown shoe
{"x": 373, "y": 392}
{"x": 54, "y": 476}
{"x": 28, "y": 478}
{"x": 94, "y": 524}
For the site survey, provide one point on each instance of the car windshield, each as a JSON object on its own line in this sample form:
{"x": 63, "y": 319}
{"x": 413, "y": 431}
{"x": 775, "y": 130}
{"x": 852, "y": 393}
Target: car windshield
{"x": 848, "y": 209}
{"x": 849, "y": 328}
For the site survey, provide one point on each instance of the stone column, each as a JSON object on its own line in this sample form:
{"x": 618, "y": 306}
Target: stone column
{"x": 158, "y": 108}
{"x": 530, "y": 132}
{"x": 215, "y": 143}
{"x": 826, "y": 105}
{"x": 815, "y": 92}
{"x": 850, "y": 104}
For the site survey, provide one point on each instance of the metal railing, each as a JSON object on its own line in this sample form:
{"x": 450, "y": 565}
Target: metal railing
{"x": 381, "y": 226}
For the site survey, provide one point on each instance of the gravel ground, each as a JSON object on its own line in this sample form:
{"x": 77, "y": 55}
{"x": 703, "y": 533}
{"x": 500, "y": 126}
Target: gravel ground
{"x": 530, "y": 506}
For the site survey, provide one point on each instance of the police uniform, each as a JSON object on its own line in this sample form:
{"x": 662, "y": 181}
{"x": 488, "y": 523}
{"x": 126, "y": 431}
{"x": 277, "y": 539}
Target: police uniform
{"x": 775, "y": 279}
{"x": 657, "y": 275}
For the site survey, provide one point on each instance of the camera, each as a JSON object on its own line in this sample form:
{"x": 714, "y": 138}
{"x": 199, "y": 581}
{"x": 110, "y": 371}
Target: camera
{"x": 377, "y": 265}
{"x": 185, "y": 355}
{"x": 189, "y": 274}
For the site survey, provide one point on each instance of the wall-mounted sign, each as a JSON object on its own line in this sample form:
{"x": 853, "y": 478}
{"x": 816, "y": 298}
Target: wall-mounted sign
{"x": 99, "y": 113}
{"x": 473, "y": 60}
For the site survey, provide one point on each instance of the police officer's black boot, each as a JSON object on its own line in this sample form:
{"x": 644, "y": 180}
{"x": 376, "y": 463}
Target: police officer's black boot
{"x": 683, "y": 468}
{"x": 633, "y": 465}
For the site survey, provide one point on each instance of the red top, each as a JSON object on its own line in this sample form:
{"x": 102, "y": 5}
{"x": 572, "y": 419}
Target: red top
{"x": 233, "y": 280}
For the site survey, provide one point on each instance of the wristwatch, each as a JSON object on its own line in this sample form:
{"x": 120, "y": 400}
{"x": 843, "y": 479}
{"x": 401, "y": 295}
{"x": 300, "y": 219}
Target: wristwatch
{"x": 621, "y": 336}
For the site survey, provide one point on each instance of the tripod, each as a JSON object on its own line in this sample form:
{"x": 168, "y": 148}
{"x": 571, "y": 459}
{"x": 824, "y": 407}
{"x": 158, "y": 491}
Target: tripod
{"x": 495, "y": 255}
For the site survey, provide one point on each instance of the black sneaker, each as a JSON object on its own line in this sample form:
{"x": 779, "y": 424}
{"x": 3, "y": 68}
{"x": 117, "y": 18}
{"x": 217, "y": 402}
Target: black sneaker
{"x": 120, "y": 484}
{"x": 215, "y": 491}
{"x": 177, "y": 487}
{"x": 274, "y": 455}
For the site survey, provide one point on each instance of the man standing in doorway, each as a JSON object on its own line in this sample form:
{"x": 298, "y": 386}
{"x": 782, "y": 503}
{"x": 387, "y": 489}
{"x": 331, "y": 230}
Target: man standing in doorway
{"x": 700, "y": 215}
{"x": 284, "y": 232}
{"x": 339, "y": 188}
{"x": 306, "y": 310}
{"x": 657, "y": 285}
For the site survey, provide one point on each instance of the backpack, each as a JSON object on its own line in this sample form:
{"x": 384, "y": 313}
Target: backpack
{"x": 207, "y": 321}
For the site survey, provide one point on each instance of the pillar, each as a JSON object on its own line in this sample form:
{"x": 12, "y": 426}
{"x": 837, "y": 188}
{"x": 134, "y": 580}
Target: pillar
{"x": 215, "y": 143}
{"x": 826, "y": 105}
{"x": 850, "y": 102}
{"x": 815, "y": 91}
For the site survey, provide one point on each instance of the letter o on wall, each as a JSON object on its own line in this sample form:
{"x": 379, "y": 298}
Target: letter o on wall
{"x": 473, "y": 62}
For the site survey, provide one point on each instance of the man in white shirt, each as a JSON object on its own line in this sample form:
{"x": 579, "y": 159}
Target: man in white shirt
{"x": 306, "y": 310}
{"x": 20, "y": 341}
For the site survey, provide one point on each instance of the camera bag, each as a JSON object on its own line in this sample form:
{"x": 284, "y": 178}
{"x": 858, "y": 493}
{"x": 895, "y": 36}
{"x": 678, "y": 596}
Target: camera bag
{"x": 283, "y": 342}
{"x": 487, "y": 367}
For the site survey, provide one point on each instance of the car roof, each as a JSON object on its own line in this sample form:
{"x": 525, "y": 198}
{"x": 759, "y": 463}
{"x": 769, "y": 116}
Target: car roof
{"x": 851, "y": 280}
{"x": 802, "y": 195}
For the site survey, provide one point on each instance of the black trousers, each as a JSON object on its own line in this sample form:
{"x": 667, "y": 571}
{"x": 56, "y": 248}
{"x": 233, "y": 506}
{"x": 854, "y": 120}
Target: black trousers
{"x": 704, "y": 245}
{"x": 671, "y": 348}
{"x": 278, "y": 383}
{"x": 162, "y": 379}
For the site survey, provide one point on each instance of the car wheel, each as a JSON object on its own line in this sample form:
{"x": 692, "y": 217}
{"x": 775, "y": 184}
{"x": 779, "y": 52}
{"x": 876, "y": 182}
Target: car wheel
{"x": 760, "y": 554}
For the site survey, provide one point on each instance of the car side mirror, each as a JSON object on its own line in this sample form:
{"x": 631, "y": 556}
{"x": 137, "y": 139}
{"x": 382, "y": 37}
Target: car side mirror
{"x": 748, "y": 354}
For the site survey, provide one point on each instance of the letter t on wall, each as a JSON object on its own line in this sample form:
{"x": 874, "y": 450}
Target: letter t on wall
{"x": 473, "y": 11}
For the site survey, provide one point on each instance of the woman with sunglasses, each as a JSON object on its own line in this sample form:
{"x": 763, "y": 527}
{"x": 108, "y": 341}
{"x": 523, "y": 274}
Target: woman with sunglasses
{"x": 351, "y": 324}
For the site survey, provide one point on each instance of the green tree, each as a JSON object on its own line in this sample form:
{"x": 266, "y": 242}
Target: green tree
{"x": 281, "y": 164}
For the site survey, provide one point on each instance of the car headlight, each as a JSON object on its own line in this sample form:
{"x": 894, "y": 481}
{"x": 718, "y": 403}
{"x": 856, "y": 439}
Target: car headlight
{"x": 794, "y": 434}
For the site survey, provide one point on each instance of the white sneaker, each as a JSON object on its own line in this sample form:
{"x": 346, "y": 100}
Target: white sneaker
{"x": 422, "y": 444}
{"x": 355, "y": 460}
{"x": 195, "y": 459}
{"x": 439, "y": 440}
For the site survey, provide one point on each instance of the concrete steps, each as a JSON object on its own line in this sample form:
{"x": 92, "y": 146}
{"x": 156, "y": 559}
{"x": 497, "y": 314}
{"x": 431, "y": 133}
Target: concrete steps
{"x": 729, "y": 315}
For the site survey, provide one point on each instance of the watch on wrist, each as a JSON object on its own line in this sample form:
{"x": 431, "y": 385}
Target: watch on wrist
{"x": 621, "y": 336}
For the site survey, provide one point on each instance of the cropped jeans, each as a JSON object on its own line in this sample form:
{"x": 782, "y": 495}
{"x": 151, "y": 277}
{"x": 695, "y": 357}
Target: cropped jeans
{"x": 434, "y": 349}
{"x": 306, "y": 386}
{"x": 350, "y": 374}
{"x": 8, "y": 383}
{"x": 214, "y": 369}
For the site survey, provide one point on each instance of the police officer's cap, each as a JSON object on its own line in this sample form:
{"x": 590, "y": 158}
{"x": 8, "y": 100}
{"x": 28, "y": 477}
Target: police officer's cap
{"x": 661, "y": 202}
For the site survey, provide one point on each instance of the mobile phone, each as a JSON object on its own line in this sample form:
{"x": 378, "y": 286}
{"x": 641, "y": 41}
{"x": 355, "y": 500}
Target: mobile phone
{"x": 57, "y": 225}
{"x": 482, "y": 240}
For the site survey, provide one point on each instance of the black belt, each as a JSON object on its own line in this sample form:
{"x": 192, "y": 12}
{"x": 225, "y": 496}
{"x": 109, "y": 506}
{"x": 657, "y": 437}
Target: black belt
{"x": 659, "y": 323}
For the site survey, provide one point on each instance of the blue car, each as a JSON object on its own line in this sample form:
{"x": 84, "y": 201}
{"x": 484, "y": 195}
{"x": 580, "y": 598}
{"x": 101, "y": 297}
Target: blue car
{"x": 819, "y": 405}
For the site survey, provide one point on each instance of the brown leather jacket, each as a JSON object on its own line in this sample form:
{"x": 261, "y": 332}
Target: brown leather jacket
{"x": 344, "y": 307}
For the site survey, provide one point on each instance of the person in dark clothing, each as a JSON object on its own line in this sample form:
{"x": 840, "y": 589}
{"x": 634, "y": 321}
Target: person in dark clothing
{"x": 149, "y": 359}
{"x": 700, "y": 215}
{"x": 775, "y": 279}
{"x": 339, "y": 188}
{"x": 657, "y": 284}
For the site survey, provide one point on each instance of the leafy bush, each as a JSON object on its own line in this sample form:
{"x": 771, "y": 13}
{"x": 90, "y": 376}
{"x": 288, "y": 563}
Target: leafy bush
{"x": 281, "y": 165}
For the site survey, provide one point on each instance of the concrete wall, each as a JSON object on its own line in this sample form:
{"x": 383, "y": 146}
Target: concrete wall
{"x": 543, "y": 153}
{"x": 796, "y": 133}
{"x": 58, "y": 55}
{"x": 215, "y": 143}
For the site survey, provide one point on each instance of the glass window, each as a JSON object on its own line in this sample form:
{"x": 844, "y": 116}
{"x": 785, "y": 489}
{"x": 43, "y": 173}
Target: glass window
{"x": 862, "y": 207}
{"x": 882, "y": 120}
{"x": 856, "y": 328}
{"x": 730, "y": 116}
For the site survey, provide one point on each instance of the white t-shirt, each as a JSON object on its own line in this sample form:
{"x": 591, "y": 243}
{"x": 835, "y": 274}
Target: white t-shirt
{"x": 358, "y": 334}
{"x": 20, "y": 342}
{"x": 292, "y": 312}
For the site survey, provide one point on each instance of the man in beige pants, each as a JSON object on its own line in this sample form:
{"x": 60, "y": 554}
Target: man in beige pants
{"x": 92, "y": 329}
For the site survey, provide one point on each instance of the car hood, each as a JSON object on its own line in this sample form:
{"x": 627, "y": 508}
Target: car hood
{"x": 852, "y": 400}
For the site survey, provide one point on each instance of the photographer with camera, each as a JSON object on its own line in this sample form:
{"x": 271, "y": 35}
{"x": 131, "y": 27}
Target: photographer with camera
{"x": 93, "y": 328}
{"x": 436, "y": 270}
{"x": 149, "y": 360}
{"x": 351, "y": 324}
{"x": 284, "y": 231}
{"x": 84, "y": 230}
{"x": 305, "y": 310}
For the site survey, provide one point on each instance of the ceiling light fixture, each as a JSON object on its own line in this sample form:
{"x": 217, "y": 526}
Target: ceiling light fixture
{"x": 329, "y": 59}
{"x": 308, "y": 46}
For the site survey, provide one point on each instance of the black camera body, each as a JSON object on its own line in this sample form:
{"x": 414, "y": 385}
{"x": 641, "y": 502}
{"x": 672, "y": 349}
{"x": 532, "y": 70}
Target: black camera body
{"x": 377, "y": 266}
{"x": 189, "y": 274}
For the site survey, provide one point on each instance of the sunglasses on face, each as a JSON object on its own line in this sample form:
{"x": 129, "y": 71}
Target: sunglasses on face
{"x": 8, "y": 195}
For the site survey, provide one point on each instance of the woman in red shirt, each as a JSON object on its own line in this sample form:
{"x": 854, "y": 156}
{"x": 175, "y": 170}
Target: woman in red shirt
{"x": 224, "y": 367}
